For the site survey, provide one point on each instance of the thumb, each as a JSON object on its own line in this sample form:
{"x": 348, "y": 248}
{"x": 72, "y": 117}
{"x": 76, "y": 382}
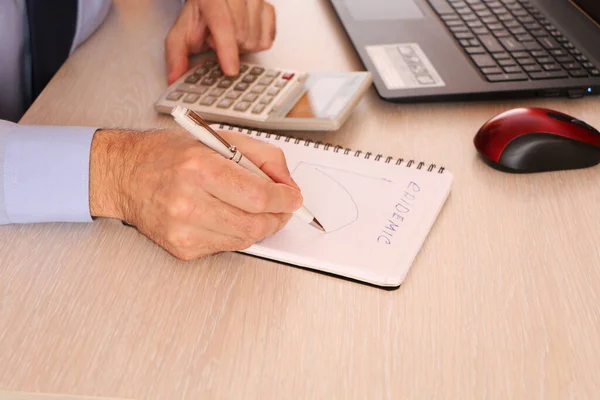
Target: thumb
{"x": 279, "y": 173}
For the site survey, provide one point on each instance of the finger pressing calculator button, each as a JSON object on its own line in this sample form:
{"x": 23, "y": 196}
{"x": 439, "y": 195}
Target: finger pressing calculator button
{"x": 241, "y": 106}
{"x": 250, "y": 97}
{"x": 257, "y": 70}
{"x": 234, "y": 94}
{"x": 208, "y": 100}
{"x": 192, "y": 78}
{"x": 258, "y": 108}
{"x": 265, "y": 81}
{"x": 186, "y": 87}
{"x": 208, "y": 81}
{"x": 272, "y": 73}
{"x": 225, "y": 103}
{"x": 249, "y": 78}
{"x": 225, "y": 83}
{"x": 217, "y": 92}
{"x": 191, "y": 98}
{"x": 174, "y": 96}
{"x": 266, "y": 99}
{"x": 241, "y": 86}
{"x": 273, "y": 91}
{"x": 281, "y": 83}
{"x": 258, "y": 89}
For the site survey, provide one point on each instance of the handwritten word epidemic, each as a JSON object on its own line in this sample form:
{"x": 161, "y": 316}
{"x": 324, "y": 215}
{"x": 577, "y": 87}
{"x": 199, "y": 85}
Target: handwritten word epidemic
{"x": 401, "y": 210}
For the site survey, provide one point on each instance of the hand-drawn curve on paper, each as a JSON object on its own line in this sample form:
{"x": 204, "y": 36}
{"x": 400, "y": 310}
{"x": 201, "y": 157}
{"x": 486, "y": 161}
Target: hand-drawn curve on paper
{"x": 337, "y": 208}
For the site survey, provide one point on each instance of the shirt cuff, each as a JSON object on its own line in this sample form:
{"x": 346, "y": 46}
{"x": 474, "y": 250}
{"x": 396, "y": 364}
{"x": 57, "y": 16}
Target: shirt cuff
{"x": 46, "y": 174}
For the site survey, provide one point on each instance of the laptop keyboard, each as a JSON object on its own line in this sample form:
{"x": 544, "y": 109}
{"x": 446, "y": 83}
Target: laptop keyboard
{"x": 510, "y": 40}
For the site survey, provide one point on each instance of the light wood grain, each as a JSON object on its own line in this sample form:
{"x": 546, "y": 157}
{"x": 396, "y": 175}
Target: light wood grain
{"x": 46, "y": 396}
{"x": 502, "y": 302}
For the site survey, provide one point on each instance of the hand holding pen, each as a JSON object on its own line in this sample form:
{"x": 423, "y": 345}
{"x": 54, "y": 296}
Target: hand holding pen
{"x": 195, "y": 125}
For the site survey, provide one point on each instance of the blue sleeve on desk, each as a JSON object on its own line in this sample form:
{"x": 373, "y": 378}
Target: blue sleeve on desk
{"x": 45, "y": 173}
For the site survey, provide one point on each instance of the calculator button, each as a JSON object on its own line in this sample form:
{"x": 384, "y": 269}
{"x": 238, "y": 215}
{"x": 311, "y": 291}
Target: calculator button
{"x": 241, "y": 86}
{"x": 266, "y": 99}
{"x": 217, "y": 73}
{"x": 208, "y": 100}
{"x": 225, "y": 83}
{"x": 258, "y": 108}
{"x": 217, "y": 92}
{"x": 273, "y": 91}
{"x": 234, "y": 94}
{"x": 208, "y": 81}
{"x": 225, "y": 103}
{"x": 243, "y": 68}
{"x": 174, "y": 96}
{"x": 280, "y": 83}
{"x": 249, "y": 78}
{"x": 192, "y": 78}
{"x": 258, "y": 89}
{"x": 186, "y": 87}
{"x": 250, "y": 97}
{"x": 265, "y": 81}
{"x": 257, "y": 70}
{"x": 272, "y": 73}
{"x": 210, "y": 64}
{"x": 241, "y": 106}
{"x": 191, "y": 98}
{"x": 202, "y": 71}
{"x": 287, "y": 76}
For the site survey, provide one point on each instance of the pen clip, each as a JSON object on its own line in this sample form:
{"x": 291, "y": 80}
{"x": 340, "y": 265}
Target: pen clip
{"x": 200, "y": 121}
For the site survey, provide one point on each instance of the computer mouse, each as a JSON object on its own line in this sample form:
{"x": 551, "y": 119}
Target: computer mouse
{"x": 525, "y": 140}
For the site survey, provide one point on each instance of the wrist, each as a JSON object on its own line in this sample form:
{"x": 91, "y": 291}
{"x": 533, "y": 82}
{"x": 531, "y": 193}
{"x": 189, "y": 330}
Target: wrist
{"x": 108, "y": 167}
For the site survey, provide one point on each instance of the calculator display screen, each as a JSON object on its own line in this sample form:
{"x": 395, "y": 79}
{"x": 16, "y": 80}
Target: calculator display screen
{"x": 325, "y": 95}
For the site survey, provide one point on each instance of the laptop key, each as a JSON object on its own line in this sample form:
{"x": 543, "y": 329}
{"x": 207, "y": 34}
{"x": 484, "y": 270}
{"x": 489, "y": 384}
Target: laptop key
{"x": 551, "y": 67}
{"x": 507, "y": 63}
{"x": 501, "y": 33}
{"x": 491, "y": 44}
{"x": 578, "y": 73}
{"x": 548, "y": 75}
{"x": 475, "y": 50}
{"x": 483, "y": 60}
{"x": 545, "y": 60}
{"x": 571, "y": 66}
{"x": 511, "y": 44}
{"x": 507, "y": 77}
{"x": 513, "y": 69}
{"x": 594, "y": 72}
{"x": 526, "y": 61}
{"x": 501, "y": 56}
{"x": 532, "y": 45}
{"x": 549, "y": 43}
{"x": 532, "y": 68}
{"x": 491, "y": 70}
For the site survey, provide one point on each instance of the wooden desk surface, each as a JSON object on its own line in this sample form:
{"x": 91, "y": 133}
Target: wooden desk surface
{"x": 503, "y": 301}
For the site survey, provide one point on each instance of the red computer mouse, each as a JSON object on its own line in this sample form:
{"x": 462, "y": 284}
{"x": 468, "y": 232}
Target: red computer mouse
{"x": 537, "y": 140}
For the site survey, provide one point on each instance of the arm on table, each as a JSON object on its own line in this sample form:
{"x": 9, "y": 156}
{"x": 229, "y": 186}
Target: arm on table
{"x": 44, "y": 173}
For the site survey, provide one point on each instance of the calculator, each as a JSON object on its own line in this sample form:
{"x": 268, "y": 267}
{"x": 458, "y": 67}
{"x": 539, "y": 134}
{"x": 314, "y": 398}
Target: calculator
{"x": 267, "y": 98}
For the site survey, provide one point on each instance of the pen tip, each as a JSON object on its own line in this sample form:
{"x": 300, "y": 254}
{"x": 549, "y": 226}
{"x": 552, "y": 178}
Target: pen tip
{"x": 317, "y": 224}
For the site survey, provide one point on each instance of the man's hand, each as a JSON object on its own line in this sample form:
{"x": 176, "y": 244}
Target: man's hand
{"x": 230, "y": 27}
{"x": 184, "y": 196}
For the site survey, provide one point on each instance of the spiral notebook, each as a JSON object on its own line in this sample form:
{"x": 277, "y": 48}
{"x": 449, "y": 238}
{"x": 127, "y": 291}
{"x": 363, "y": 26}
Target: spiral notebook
{"x": 377, "y": 211}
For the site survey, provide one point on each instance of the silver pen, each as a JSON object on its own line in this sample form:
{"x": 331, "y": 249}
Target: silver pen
{"x": 194, "y": 124}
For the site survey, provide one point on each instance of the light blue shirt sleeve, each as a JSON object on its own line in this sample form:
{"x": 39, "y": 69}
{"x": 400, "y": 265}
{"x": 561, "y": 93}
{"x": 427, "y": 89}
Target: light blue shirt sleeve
{"x": 44, "y": 172}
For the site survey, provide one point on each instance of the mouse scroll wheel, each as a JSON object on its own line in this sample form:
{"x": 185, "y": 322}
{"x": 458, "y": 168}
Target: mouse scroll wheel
{"x": 584, "y": 125}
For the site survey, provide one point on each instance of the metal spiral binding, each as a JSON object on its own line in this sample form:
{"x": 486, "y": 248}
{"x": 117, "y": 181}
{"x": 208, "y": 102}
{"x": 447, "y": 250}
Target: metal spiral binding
{"x": 336, "y": 149}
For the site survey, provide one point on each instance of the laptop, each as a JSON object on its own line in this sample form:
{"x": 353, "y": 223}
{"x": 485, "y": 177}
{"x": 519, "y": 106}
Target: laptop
{"x": 473, "y": 49}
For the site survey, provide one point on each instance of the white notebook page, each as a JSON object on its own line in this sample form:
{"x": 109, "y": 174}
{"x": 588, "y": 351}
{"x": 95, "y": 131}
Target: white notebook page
{"x": 376, "y": 214}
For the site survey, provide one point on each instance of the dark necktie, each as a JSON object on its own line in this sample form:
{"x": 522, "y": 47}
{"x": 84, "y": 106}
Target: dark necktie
{"x": 52, "y": 25}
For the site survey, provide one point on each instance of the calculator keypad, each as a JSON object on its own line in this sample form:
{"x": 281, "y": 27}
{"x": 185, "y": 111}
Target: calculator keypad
{"x": 253, "y": 90}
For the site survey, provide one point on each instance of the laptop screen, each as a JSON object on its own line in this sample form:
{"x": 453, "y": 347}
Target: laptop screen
{"x": 591, "y": 7}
